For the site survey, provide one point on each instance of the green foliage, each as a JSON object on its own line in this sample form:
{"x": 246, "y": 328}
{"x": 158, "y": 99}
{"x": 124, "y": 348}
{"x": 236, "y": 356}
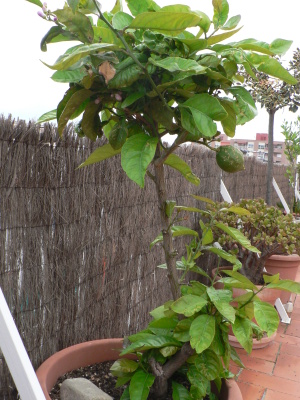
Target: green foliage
{"x": 265, "y": 227}
{"x": 144, "y": 67}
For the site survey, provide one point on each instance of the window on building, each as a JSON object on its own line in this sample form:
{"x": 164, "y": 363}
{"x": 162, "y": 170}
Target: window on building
{"x": 278, "y": 155}
{"x": 250, "y": 146}
{"x": 261, "y": 145}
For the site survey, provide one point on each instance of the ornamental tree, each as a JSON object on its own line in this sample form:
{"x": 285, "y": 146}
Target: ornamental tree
{"x": 135, "y": 76}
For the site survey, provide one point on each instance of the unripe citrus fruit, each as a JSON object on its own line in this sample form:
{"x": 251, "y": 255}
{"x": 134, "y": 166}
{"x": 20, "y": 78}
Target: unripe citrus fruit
{"x": 230, "y": 159}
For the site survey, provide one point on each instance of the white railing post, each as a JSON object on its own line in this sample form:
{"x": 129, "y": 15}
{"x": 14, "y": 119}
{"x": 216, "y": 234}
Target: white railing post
{"x": 224, "y": 193}
{"x": 16, "y": 356}
{"x": 282, "y": 199}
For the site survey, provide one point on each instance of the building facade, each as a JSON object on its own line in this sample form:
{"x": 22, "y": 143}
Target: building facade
{"x": 257, "y": 147}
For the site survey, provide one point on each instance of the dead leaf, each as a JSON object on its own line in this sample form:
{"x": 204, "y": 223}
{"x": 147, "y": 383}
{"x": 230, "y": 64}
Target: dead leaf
{"x": 107, "y": 70}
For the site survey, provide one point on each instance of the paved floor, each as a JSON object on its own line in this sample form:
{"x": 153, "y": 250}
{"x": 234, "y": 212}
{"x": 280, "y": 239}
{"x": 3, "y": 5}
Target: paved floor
{"x": 273, "y": 373}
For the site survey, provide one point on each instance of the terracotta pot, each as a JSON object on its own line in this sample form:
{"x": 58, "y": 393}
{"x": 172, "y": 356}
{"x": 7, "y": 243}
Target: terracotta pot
{"x": 287, "y": 267}
{"x": 96, "y": 351}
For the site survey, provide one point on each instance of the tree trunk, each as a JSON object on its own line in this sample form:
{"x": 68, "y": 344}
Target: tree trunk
{"x": 270, "y": 157}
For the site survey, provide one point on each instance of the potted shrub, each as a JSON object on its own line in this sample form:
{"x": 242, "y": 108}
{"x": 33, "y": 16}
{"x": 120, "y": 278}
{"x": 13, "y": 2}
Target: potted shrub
{"x": 135, "y": 76}
{"x": 266, "y": 227}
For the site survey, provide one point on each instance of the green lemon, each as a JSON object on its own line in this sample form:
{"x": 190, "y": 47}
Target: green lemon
{"x": 230, "y": 159}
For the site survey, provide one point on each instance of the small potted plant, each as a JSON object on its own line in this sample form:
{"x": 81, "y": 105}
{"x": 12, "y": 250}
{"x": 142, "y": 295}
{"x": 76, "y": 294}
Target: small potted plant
{"x": 133, "y": 77}
{"x": 275, "y": 234}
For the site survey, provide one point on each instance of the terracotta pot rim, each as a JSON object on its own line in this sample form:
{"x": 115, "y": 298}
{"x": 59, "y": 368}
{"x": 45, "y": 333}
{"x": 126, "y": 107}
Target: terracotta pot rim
{"x": 257, "y": 344}
{"x": 104, "y": 350}
{"x": 284, "y": 257}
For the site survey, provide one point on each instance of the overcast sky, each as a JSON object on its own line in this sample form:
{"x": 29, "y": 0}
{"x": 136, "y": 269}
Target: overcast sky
{"x": 27, "y": 90}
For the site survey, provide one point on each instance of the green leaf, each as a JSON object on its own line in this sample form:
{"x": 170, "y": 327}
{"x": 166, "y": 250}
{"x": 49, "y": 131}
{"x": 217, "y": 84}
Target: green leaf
{"x": 223, "y": 254}
{"x": 219, "y": 38}
{"x": 73, "y": 76}
{"x": 280, "y": 46}
{"x": 271, "y": 66}
{"x": 231, "y": 23}
{"x": 229, "y": 122}
{"x": 77, "y": 23}
{"x": 106, "y": 35}
{"x": 286, "y": 285}
{"x": 80, "y": 52}
{"x": 91, "y": 124}
{"x": 181, "y": 166}
{"x": 140, "y": 6}
{"x": 207, "y": 234}
{"x": 125, "y": 395}
{"x": 123, "y": 366}
{"x": 181, "y": 332}
{"x": 209, "y": 105}
{"x": 169, "y": 207}
{"x": 100, "y": 154}
{"x": 67, "y": 96}
{"x": 168, "y": 351}
{"x": 209, "y": 364}
{"x": 245, "y": 108}
{"x": 239, "y": 210}
{"x": 174, "y": 64}
{"x": 48, "y": 116}
{"x": 149, "y": 341}
{"x": 132, "y": 98}
{"x": 245, "y": 282}
{"x": 73, "y": 4}
{"x": 188, "y": 305}
{"x": 204, "y": 199}
{"x": 222, "y": 299}
{"x": 197, "y": 123}
{"x": 266, "y": 317}
{"x": 176, "y": 231}
{"x": 73, "y": 103}
{"x": 126, "y": 77}
{"x": 137, "y": 154}
{"x": 163, "y": 326}
{"x": 117, "y": 7}
{"x": 236, "y": 358}
{"x": 180, "y": 392}
{"x": 237, "y": 235}
{"x": 36, "y": 2}
{"x": 221, "y": 10}
{"x": 165, "y": 21}
{"x": 198, "y": 383}
{"x": 202, "y": 332}
{"x": 56, "y": 34}
{"x": 121, "y": 20}
{"x": 243, "y": 332}
{"x": 140, "y": 384}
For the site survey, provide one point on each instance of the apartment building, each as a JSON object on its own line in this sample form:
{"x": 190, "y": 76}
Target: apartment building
{"x": 257, "y": 147}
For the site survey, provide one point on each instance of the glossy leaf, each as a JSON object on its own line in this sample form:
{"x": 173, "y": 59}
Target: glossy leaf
{"x": 246, "y": 283}
{"x": 207, "y": 234}
{"x": 237, "y": 235}
{"x": 123, "y": 366}
{"x": 132, "y": 98}
{"x": 204, "y": 199}
{"x": 286, "y": 285}
{"x": 202, "y": 332}
{"x": 48, "y": 116}
{"x": 174, "y": 64}
{"x": 165, "y": 21}
{"x": 105, "y": 35}
{"x": 236, "y": 358}
{"x": 77, "y": 23}
{"x": 163, "y": 326}
{"x": 36, "y": 2}
{"x": 243, "y": 332}
{"x": 56, "y": 34}
{"x": 80, "y": 52}
{"x": 221, "y": 10}
{"x": 140, "y": 385}
{"x": 73, "y": 4}
{"x": 137, "y": 154}
{"x": 222, "y": 299}
{"x": 180, "y": 392}
{"x": 229, "y": 122}
{"x": 126, "y": 77}
{"x": 181, "y": 166}
{"x": 198, "y": 383}
{"x": 231, "y": 23}
{"x": 245, "y": 107}
{"x": 271, "y": 66}
{"x": 73, "y": 76}
{"x": 176, "y": 231}
{"x": 117, "y": 7}
{"x": 73, "y": 103}
{"x": 197, "y": 123}
{"x": 140, "y": 6}
{"x": 219, "y": 38}
{"x": 121, "y": 20}
{"x": 125, "y": 395}
{"x": 188, "y": 305}
{"x": 182, "y": 330}
{"x": 266, "y": 316}
{"x": 102, "y": 153}
{"x": 223, "y": 254}
{"x": 209, "y": 364}
{"x": 238, "y": 210}
{"x": 209, "y": 105}
{"x": 149, "y": 341}
{"x": 91, "y": 124}
{"x": 280, "y": 46}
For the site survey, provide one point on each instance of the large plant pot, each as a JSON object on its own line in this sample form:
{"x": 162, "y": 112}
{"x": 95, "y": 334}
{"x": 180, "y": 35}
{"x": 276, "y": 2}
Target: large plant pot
{"x": 96, "y": 351}
{"x": 267, "y": 295}
{"x": 287, "y": 267}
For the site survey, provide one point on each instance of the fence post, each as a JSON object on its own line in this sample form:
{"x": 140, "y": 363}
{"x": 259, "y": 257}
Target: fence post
{"x": 280, "y": 195}
{"x": 16, "y": 356}
{"x": 224, "y": 193}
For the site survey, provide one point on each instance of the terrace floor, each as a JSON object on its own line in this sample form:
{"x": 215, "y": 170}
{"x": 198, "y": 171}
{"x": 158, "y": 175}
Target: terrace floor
{"x": 273, "y": 373}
